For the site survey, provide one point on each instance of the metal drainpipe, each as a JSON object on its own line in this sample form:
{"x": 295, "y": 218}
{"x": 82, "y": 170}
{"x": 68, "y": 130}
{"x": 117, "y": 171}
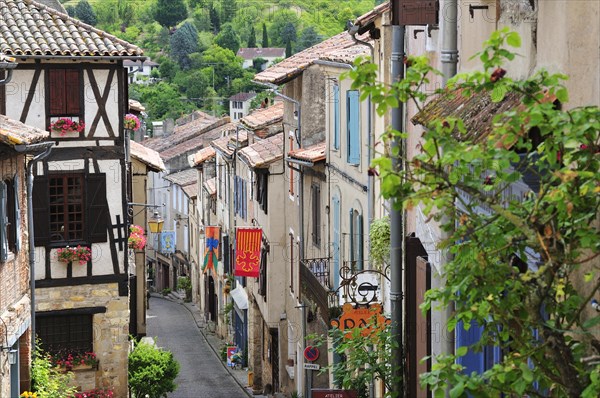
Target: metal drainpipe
{"x": 396, "y": 220}
{"x": 26, "y": 148}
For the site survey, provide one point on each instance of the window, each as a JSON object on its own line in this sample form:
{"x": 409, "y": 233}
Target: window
{"x": 240, "y": 197}
{"x": 70, "y": 209}
{"x": 336, "y": 116}
{"x": 262, "y": 192}
{"x": 64, "y": 92}
{"x": 291, "y": 189}
{"x": 262, "y": 276}
{"x": 10, "y": 230}
{"x": 356, "y": 240}
{"x": 71, "y": 333}
{"x": 292, "y": 262}
{"x": 353, "y": 127}
{"x": 315, "y": 195}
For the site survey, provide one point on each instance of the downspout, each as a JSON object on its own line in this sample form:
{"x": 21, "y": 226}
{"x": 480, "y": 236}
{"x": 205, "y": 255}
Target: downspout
{"x": 396, "y": 220}
{"x": 47, "y": 146}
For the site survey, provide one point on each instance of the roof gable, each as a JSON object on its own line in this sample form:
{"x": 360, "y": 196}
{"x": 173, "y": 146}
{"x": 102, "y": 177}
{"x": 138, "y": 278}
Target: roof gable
{"x": 250, "y": 53}
{"x": 13, "y": 132}
{"x": 28, "y": 28}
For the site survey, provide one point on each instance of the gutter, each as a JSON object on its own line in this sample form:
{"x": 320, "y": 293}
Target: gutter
{"x": 333, "y": 63}
{"x": 47, "y": 147}
{"x": 8, "y": 64}
{"x": 84, "y": 57}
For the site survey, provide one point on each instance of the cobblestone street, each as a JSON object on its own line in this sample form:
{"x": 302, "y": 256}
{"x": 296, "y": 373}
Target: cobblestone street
{"x": 201, "y": 374}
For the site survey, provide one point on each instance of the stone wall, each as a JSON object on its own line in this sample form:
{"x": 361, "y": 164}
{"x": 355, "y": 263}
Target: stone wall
{"x": 110, "y": 329}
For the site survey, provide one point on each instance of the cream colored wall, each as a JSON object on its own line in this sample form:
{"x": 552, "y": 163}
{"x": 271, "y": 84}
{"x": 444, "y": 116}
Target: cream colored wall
{"x": 139, "y": 195}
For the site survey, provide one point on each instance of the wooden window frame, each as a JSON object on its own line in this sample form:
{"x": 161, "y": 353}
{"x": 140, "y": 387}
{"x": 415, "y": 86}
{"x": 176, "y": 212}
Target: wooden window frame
{"x": 62, "y": 208}
{"x": 70, "y": 333}
{"x": 315, "y": 194}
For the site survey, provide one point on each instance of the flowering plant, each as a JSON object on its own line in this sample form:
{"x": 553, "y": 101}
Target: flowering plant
{"x": 131, "y": 122}
{"x": 68, "y": 360}
{"x": 65, "y": 125}
{"x": 28, "y": 394}
{"x": 95, "y": 393}
{"x": 69, "y": 254}
{"x": 136, "y": 240}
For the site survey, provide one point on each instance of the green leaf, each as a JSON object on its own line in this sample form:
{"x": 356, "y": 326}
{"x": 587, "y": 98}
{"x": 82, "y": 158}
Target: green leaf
{"x": 562, "y": 95}
{"x": 527, "y": 374}
{"x": 439, "y": 393}
{"x": 498, "y": 93}
{"x": 462, "y": 351}
{"x": 591, "y": 322}
{"x": 513, "y": 39}
{"x": 457, "y": 390}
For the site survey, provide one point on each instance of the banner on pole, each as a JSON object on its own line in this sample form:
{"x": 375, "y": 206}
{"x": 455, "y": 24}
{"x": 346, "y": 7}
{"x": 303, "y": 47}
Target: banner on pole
{"x": 247, "y": 252}
{"x": 211, "y": 252}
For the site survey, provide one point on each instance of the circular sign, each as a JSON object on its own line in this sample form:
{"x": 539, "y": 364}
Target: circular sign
{"x": 311, "y": 353}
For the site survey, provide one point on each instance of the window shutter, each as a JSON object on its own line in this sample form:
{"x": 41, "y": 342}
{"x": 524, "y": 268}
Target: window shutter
{"x": 56, "y": 82}
{"x": 73, "y": 92}
{"x": 17, "y": 214}
{"x": 417, "y": 12}
{"x": 225, "y": 250}
{"x": 360, "y": 242}
{"x": 97, "y": 218}
{"x": 336, "y": 242}
{"x": 353, "y": 127}
{"x": 41, "y": 211}
{"x": 351, "y": 237}
{"x": 3, "y": 223}
{"x": 336, "y": 116}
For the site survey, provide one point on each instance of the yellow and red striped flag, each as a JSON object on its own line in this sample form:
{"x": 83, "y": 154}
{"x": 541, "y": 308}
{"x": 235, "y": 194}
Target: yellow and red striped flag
{"x": 247, "y": 252}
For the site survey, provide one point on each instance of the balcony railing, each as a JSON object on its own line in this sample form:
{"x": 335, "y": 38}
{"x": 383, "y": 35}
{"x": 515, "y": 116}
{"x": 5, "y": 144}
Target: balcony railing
{"x": 319, "y": 267}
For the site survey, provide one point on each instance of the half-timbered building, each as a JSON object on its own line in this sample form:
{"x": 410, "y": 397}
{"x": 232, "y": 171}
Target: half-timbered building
{"x": 69, "y": 70}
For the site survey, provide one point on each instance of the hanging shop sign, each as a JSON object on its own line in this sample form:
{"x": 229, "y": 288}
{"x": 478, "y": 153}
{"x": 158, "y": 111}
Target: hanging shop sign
{"x": 362, "y": 317}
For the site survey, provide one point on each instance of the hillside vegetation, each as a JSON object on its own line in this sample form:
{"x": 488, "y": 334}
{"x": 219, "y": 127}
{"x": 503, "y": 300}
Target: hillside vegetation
{"x": 195, "y": 42}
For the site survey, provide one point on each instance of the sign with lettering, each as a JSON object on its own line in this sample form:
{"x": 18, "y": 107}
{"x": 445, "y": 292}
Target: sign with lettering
{"x": 327, "y": 393}
{"x": 363, "y": 318}
{"x": 312, "y": 366}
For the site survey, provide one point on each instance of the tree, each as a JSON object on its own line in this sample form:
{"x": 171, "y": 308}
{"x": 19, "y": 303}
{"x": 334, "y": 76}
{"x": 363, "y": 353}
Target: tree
{"x": 167, "y": 69}
{"x": 85, "y": 13}
{"x": 252, "y": 38}
{"x": 162, "y": 100}
{"x": 265, "y": 36}
{"x": 535, "y": 311}
{"x": 169, "y": 13}
{"x": 184, "y": 42}
{"x": 288, "y": 49}
{"x": 152, "y": 371}
{"x": 228, "y": 10}
{"x": 70, "y": 10}
{"x": 283, "y": 27}
{"x": 227, "y": 38}
{"x": 215, "y": 22}
{"x": 223, "y": 64}
{"x": 308, "y": 38}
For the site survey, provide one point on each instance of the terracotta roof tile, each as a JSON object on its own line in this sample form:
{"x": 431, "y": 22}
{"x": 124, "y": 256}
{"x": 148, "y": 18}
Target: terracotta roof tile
{"x": 211, "y": 186}
{"x": 314, "y": 153}
{"x": 264, "y": 116}
{"x": 204, "y": 154}
{"x": 370, "y": 16}
{"x": 13, "y": 132}
{"x": 29, "y": 28}
{"x": 148, "y": 156}
{"x": 185, "y": 132}
{"x": 255, "y": 52}
{"x": 242, "y": 97}
{"x": 263, "y": 152}
{"x": 477, "y": 111}
{"x": 226, "y": 145}
{"x": 191, "y": 190}
{"x": 195, "y": 143}
{"x": 183, "y": 178}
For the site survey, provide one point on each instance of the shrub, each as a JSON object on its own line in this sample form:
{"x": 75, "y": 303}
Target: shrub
{"x": 47, "y": 380}
{"x": 152, "y": 371}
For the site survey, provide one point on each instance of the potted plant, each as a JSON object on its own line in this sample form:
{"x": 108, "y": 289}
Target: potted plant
{"x": 131, "y": 122}
{"x": 136, "y": 239}
{"x": 81, "y": 254}
{"x": 75, "y": 360}
{"x": 64, "y": 125}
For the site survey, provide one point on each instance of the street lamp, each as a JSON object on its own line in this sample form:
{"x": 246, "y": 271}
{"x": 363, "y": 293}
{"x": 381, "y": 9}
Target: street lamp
{"x": 155, "y": 223}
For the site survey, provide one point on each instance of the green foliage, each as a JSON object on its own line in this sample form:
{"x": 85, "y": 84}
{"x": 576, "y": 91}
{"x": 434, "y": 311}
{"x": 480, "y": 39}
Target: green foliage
{"x": 46, "y": 379}
{"x": 85, "y": 13}
{"x": 70, "y": 10}
{"x": 288, "y": 49}
{"x": 169, "y": 13}
{"x": 283, "y": 27}
{"x": 152, "y": 371}
{"x": 166, "y": 291}
{"x": 252, "y": 38}
{"x": 228, "y": 10}
{"x": 535, "y": 315}
{"x": 227, "y": 38}
{"x": 215, "y": 21}
{"x": 308, "y": 38}
{"x": 185, "y": 283}
{"x": 184, "y": 42}
{"x": 168, "y": 69}
{"x": 379, "y": 240}
{"x": 265, "y": 36}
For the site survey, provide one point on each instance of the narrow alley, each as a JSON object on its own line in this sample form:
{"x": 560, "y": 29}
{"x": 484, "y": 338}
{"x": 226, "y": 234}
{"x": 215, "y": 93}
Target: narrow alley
{"x": 201, "y": 373}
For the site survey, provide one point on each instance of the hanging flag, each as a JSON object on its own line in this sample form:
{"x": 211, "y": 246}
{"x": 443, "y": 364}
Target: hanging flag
{"x": 167, "y": 242}
{"x": 211, "y": 253}
{"x": 247, "y": 252}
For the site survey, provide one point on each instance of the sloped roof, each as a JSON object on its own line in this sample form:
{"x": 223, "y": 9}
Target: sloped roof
{"x": 137, "y": 62}
{"x": 346, "y": 55}
{"x": 183, "y": 178}
{"x": 264, "y": 152}
{"x": 136, "y": 106}
{"x": 191, "y": 190}
{"x": 197, "y": 142}
{"x": 313, "y": 153}
{"x": 28, "y": 28}
{"x": 242, "y": 97}
{"x": 264, "y": 116}
{"x": 53, "y": 4}
{"x": 226, "y": 145}
{"x": 256, "y": 52}
{"x": 203, "y": 123}
{"x": 204, "y": 154}
{"x": 211, "y": 186}
{"x": 13, "y": 132}
{"x": 476, "y": 110}
{"x": 370, "y": 16}
{"x": 148, "y": 156}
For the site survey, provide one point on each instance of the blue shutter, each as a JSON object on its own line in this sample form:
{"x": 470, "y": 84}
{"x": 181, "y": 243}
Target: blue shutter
{"x": 353, "y": 127}
{"x": 245, "y": 199}
{"x": 336, "y": 116}
{"x": 360, "y": 242}
{"x": 3, "y": 223}
{"x": 479, "y": 361}
{"x": 17, "y": 215}
{"x": 336, "y": 242}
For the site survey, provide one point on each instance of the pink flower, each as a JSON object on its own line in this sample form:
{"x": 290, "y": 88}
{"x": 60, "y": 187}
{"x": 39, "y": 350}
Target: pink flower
{"x": 131, "y": 122}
